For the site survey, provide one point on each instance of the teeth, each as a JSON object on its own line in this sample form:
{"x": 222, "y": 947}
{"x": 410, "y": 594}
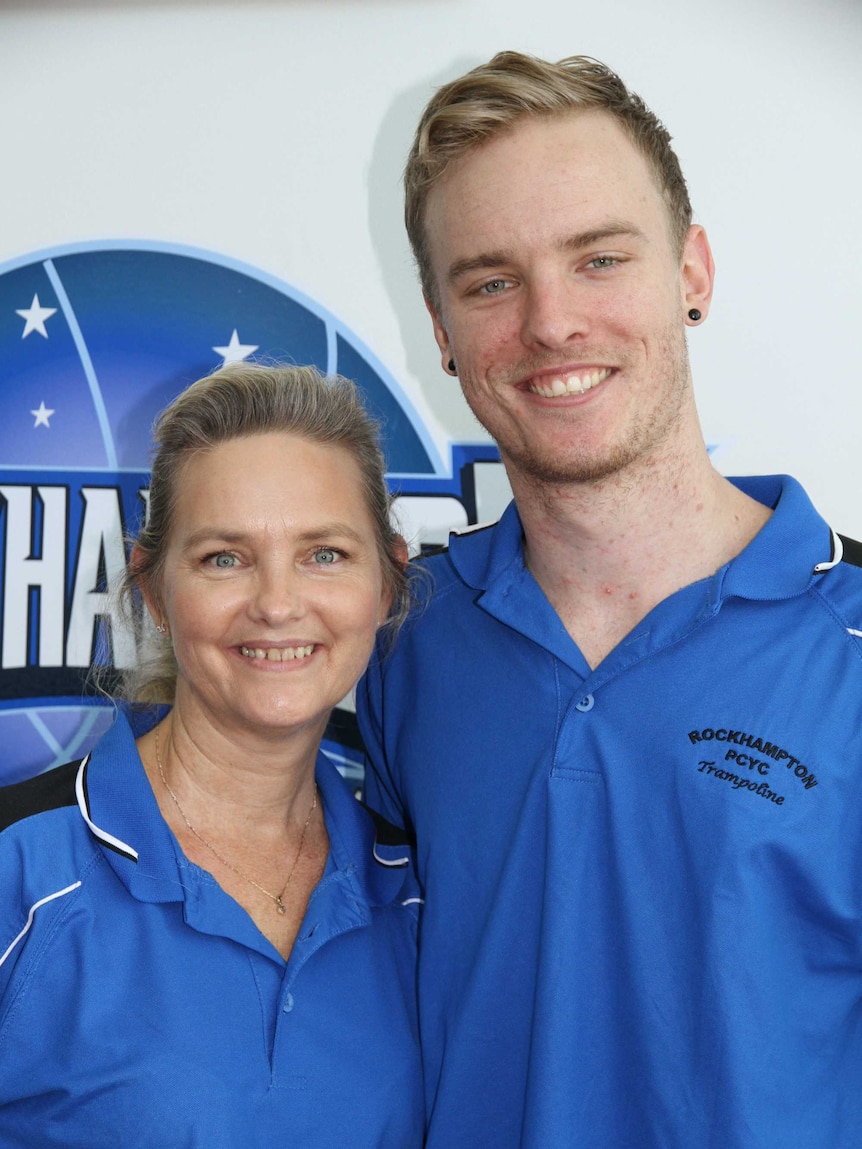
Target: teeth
{"x": 569, "y": 384}
{"x": 277, "y": 653}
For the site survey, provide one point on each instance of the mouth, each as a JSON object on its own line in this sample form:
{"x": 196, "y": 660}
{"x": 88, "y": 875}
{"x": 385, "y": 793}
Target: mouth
{"x": 277, "y": 653}
{"x": 568, "y": 383}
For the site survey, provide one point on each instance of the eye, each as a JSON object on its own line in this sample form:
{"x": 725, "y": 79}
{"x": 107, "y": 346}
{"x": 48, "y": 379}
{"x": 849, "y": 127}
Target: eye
{"x": 493, "y": 287}
{"x": 223, "y": 560}
{"x": 603, "y": 261}
{"x": 327, "y": 556}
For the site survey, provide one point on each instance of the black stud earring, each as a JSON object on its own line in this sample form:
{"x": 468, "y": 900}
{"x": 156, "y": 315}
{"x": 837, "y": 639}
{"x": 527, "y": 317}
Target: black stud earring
{"x": 453, "y": 370}
{"x": 694, "y": 315}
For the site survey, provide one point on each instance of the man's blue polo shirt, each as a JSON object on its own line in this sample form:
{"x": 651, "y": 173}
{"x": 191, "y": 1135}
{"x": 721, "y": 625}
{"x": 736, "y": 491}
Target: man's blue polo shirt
{"x": 644, "y": 881}
{"x": 141, "y": 1007}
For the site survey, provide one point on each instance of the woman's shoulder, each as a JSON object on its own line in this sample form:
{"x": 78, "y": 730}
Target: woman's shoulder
{"x": 46, "y": 856}
{"x": 44, "y": 840}
{"x": 51, "y": 790}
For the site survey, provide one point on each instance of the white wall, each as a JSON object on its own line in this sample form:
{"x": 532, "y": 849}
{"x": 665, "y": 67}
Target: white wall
{"x": 275, "y": 133}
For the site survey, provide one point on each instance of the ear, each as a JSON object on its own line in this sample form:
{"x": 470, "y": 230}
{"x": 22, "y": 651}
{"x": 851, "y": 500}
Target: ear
{"x": 151, "y": 601}
{"x": 402, "y": 556}
{"x": 440, "y": 334}
{"x": 697, "y": 274}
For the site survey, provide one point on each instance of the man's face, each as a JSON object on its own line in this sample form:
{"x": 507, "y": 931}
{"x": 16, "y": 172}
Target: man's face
{"x": 562, "y": 298}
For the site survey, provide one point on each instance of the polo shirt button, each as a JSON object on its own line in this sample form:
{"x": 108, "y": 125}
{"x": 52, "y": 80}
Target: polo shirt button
{"x": 585, "y": 704}
{"x": 288, "y": 1003}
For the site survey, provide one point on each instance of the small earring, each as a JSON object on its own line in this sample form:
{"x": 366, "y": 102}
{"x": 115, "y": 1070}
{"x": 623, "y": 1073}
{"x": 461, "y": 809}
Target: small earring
{"x": 162, "y": 628}
{"x": 453, "y": 370}
{"x": 694, "y": 315}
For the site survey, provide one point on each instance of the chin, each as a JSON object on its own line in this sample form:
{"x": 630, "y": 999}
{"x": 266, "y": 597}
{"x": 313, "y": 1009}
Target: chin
{"x": 557, "y": 471}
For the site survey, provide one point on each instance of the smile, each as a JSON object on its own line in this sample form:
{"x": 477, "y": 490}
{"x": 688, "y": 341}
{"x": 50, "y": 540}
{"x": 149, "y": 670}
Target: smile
{"x": 554, "y": 387}
{"x": 277, "y": 653}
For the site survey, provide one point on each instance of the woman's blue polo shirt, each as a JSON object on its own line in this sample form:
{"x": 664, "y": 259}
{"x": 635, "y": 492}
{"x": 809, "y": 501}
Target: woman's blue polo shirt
{"x": 140, "y": 1005}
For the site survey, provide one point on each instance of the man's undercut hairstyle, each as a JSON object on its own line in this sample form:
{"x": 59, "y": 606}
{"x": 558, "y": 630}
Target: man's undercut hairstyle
{"x": 238, "y": 401}
{"x": 491, "y": 98}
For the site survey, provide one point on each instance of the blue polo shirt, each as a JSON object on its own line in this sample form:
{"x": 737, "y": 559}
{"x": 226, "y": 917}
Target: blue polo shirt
{"x": 140, "y": 1005}
{"x": 644, "y": 880}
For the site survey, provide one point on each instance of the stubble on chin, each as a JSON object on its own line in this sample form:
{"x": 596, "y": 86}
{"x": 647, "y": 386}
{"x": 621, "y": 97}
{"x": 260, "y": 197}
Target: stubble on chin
{"x": 539, "y": 466}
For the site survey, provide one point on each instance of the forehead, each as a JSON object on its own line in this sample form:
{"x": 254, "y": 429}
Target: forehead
{"x": 268, "y": 480}
{"x": 567, "y": 173}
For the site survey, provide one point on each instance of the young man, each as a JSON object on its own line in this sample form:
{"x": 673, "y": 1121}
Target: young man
{"x": 625, "y": 728}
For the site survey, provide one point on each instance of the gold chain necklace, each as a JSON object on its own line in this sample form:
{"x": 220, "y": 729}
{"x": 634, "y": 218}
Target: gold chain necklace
{"x": 277, "y": 898}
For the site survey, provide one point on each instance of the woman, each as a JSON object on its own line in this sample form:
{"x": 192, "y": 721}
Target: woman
{"x": 201, "y": 942}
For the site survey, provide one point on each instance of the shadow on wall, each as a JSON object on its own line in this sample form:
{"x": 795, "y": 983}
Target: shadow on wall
{"x": 389, "y": 239}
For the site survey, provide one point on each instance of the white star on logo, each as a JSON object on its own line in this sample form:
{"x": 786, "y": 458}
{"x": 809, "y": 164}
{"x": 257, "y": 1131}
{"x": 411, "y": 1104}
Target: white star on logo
{"x": 35, "y": 316}
{"x": 43, "y": 414}
{"x": 235, "y": 351}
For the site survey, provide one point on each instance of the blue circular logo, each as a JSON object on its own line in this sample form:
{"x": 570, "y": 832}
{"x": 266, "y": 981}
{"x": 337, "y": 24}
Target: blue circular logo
{"x": 95, "y": 339}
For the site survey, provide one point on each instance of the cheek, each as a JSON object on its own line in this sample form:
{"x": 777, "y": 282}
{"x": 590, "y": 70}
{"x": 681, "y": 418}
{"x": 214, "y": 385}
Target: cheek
{"x": 360, "y": 617}
{"x": 197, "y": 614}
{"x": 190, "y": 642}
{"x": 479, "y": 336}
{"x": 625, "y": 310}
{"x": 486, "y": 360}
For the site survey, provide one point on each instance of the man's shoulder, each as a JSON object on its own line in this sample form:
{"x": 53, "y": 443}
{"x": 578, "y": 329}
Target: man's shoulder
{"x": 467, "y": 560}
{"x": 851, "y": 551}
{"x": 840, "y": 583}
{"x": 467, "y": 541}
{"x": 446, "y": 579}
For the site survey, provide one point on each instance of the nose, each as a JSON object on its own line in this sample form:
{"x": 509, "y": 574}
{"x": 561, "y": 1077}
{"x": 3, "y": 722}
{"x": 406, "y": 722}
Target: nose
{"x": 278, "y": 595}
{"x": 553, "y": 313}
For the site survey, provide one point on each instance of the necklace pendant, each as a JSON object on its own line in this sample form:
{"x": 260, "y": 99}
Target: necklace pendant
{"x": 279, "y": 905}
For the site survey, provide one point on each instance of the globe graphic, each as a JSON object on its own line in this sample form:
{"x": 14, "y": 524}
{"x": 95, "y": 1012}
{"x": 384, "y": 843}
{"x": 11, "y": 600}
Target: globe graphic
{"x": 94, "y": 341}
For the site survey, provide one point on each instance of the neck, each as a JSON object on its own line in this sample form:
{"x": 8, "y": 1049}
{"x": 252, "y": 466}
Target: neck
{"x": 606, "y": 552}
{"x": 240, "y": 819}
{"x": 231, "y": 783}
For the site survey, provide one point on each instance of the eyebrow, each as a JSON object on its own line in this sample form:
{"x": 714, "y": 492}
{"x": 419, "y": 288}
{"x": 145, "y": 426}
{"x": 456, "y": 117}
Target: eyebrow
{"x": 598, "y": 235}
{"x": 322, "y": 532}
{"x": 487, "y": 261}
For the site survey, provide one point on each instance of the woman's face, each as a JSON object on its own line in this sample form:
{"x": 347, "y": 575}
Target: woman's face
{"x": 272, "y": 585}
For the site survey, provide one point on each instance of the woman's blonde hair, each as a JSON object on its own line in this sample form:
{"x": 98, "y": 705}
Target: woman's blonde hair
{"x": 237, "y": 401}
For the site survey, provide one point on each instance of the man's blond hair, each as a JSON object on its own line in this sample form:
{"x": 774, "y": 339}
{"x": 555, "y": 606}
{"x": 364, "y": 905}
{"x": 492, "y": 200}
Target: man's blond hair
{"x": 490, "y": 98}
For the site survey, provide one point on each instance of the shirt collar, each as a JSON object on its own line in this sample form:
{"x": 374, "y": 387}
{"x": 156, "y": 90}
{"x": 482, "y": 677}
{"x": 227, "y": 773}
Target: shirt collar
{"x": 117, "y": 802}
{"x": 378, "y": 871}
{"x": 483, "y": 554}
{"x": 779, "y": 562}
